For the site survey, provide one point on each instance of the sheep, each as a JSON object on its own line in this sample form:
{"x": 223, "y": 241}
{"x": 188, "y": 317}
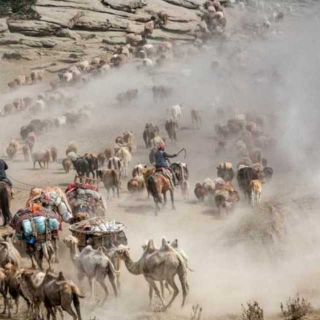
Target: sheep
{"x": 41, "y": 156}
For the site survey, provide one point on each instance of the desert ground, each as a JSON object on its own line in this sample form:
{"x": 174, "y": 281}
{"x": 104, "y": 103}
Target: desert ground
{"x": 251, "y": 254}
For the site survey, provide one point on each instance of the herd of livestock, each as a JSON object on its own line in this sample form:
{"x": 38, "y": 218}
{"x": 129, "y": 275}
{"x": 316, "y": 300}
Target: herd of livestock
{"x": 38, "y": 224}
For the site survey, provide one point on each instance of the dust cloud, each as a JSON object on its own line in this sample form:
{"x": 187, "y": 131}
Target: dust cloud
{"x": 252, "y": 254}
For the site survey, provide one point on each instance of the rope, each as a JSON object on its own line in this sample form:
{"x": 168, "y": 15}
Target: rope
{"x": 26, "y": 184}
{"x": 21, "y": 189}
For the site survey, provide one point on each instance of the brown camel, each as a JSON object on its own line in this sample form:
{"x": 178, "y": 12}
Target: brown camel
{"x": 160, "y": 265}
{"x": 55, "y": 291}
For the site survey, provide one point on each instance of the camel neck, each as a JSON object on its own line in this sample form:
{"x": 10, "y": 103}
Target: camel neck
{"x": 133, "y": 267}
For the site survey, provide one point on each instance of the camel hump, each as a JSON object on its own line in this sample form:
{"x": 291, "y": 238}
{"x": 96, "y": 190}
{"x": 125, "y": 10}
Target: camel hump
{"x": 61, "y": 276}
{"x": 165, "y": 245}
{"x": 150, "y": 246}
{"x": 174, "y": 244}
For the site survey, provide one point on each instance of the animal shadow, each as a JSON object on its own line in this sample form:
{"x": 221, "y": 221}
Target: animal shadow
{"x": 142, "y": 209}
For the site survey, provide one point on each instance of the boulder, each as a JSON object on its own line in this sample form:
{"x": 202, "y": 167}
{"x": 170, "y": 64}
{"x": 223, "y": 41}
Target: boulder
{"x": 125, "y": 5}
{"x": 33, "y": 27}
{"x": 18, "y": 55}
{"x": 178, "y": 27}
{"x": 48, "y": 43}
{"x": 10, "y": 40}
{"x": 3, "y": 26}
{"x": 115, "y": 41}
{"x": 31, "y": 43}
{"x": 94, "y": 21}
{"x": 184, "y": 3}
{"x": 66, "y": 33}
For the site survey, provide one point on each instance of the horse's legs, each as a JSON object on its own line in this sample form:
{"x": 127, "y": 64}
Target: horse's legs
{"x": 172, "y": 199}
{"x": 164, "y": 199}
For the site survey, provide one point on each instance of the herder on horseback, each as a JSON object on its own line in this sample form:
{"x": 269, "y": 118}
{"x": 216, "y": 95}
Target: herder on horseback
{"x": 161, "y": 158}
{"x": 5, "y": 193}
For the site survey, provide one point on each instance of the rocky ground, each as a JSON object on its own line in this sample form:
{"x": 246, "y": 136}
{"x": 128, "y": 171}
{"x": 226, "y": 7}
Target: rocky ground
{"x": 68, "y": 31}
{"x": 268, "y": 254}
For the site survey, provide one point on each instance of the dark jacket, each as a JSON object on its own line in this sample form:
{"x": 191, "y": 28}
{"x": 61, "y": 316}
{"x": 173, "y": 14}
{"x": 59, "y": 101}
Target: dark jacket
{"x": 3, "y": 168}
{"x": 161, "y": 158}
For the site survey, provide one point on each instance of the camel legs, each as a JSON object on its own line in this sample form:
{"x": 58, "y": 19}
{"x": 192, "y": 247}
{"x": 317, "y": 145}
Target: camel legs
{"x": 56, "y": 248}
{"x": 91, "y": 284}
{"x": 68, "y": 309}
{"x": 155, "y": 288}
{"x": 173, "y": 285}
{"x": 105, "y": 289}
{"x": 38, "y": 258}
{"x": 150, "y": 295}
{"x": 114, "y": 286}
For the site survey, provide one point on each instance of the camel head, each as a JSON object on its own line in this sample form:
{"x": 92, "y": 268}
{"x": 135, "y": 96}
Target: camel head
{"x": 123, "y": 251}
{"x": 70, "y": 241}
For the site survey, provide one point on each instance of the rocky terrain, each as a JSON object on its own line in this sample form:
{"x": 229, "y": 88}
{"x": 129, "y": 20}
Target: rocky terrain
{"x": 68, "y": 31}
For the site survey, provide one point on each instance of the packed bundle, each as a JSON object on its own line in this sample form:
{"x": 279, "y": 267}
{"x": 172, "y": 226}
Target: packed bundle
{"x": 35, "y": 223}
{"x": 53, "y": 199}
{"x": 99, "y": 232}
{"x": 85, "y": 198}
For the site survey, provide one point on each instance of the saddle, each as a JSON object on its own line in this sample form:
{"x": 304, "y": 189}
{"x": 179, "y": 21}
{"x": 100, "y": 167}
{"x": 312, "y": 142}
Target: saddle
{"x": 166, "y": 173}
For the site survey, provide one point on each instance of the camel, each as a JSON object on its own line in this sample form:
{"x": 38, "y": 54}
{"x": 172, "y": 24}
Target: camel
{"x": 8, "y": 252}
{"x": 54, "y": 291}
{"x": 93, "y": 264}
{"x": 13, "y": 287}
{"x": 46, "y": 250}
{"x": 175, "y": 246}
{"x": 159, "y": 265}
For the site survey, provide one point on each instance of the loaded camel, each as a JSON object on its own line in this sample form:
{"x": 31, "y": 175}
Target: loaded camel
{"x": 159, "y": 265}
{"x": 93, "y": 264}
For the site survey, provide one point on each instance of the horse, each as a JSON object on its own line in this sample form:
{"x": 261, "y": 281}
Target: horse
{"x": 159, "y": 184}
{"x": 5, "y": 202}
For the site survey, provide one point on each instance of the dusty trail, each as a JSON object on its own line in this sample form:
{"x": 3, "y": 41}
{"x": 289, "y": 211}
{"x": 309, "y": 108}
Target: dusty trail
{"x": 232, "y": 260}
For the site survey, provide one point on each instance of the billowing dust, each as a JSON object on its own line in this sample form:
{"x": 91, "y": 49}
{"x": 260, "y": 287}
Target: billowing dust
{"x": 267, "y": 254}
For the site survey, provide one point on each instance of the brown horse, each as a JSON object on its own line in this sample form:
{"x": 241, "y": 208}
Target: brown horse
{"x": 5, "y": 202}
{"x": 158, "y": 185}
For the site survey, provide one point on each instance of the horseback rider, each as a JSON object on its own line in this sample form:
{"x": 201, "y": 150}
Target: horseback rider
{"x": 161, "y": 158}
{"x": 3, "y": 175}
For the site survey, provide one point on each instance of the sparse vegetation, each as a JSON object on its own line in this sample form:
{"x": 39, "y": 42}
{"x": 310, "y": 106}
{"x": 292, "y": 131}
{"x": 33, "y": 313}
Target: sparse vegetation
{"x": 21, "y": 8}
{"x": 295, "y": 308}
{"x": 253, "y": 312}
{"x": 196, "y": 312}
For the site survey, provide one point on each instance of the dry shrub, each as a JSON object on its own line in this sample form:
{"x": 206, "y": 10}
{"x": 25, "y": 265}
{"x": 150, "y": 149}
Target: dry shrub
{"x": 253, "y": 312}
{"x": 295, "y": 308}
{"x": 196, "y": 312}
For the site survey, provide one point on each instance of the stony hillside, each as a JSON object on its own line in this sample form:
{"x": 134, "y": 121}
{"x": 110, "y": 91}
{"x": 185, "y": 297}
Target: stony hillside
{"x": 73, "y": 28}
